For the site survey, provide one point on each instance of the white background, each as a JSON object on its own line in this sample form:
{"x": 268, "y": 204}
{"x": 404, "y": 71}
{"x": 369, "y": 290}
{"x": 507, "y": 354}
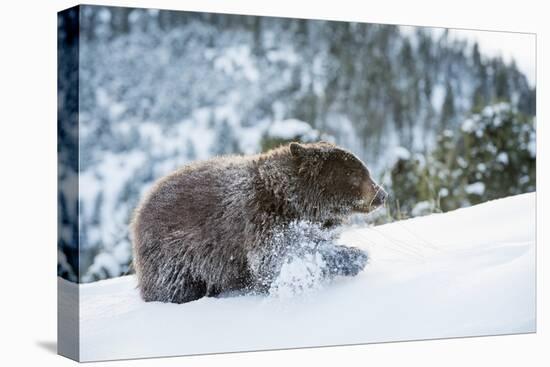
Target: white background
{"x": 28, "y": 181}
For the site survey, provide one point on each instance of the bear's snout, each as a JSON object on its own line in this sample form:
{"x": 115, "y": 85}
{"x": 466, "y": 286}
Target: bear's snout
{"x": 372, "y": 197}
{"x": 380, "y": 197}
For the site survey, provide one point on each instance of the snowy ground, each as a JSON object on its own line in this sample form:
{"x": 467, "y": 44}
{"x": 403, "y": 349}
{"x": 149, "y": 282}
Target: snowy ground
{"x": 463, "y": 273}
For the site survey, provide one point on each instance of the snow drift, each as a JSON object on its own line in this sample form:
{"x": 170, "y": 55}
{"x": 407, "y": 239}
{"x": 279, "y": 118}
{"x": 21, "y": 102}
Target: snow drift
{"x": 464, "y": 273}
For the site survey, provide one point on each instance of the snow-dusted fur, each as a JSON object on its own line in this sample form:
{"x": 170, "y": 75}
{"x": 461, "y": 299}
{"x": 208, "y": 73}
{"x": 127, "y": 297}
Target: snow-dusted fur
{"x": 224, "y": 224}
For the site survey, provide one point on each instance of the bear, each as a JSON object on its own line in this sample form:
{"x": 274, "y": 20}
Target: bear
{"x": 220, "y": 225}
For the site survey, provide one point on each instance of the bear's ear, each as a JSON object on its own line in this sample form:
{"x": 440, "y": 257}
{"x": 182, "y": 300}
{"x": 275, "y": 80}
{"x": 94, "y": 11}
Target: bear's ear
{"x": 298, "y": 150}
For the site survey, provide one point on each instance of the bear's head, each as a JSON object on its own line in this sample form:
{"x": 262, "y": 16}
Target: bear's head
{"x": 335, "y": 178}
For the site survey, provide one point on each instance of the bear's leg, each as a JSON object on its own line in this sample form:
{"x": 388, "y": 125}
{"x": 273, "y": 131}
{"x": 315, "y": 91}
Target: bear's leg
{"x": 343, "y": 260}
{"x": 212, "y": 291}
{"x": 189, "y": 291}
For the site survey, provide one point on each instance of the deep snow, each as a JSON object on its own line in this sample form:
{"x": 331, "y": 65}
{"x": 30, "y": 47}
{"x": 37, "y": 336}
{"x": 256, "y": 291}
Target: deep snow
{"x": 463, "y": 273}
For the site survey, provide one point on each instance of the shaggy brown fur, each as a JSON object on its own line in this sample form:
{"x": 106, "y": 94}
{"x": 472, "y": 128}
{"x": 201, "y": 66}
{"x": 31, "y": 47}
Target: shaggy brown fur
{"x": 208, "y": 227}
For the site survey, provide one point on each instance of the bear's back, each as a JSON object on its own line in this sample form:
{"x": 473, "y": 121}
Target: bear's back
{"x": 194, "y": 196}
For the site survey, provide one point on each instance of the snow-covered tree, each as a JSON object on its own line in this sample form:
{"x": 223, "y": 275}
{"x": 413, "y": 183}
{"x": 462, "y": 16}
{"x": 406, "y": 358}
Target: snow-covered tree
{"x": 499, "y": 149}
{"x": 492, "y": 156}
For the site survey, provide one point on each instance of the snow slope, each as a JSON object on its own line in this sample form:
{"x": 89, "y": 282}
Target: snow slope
{"x": 463, "y": 273}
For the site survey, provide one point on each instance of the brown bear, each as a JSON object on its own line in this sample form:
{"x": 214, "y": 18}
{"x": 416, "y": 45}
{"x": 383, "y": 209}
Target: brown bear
{"x": 221, "y": 225}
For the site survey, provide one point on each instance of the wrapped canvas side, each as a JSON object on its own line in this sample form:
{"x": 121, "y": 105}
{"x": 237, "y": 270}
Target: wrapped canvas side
{"x": 67, "y": 176}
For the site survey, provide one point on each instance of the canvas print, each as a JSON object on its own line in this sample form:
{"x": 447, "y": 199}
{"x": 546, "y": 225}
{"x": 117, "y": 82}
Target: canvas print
{"x": 240, "y": 183}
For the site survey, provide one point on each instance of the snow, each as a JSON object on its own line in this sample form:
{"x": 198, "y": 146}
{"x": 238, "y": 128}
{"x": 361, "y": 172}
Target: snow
{"x": 476, "y": 188}
{"x": 438, "y": 96}
{"x": 502, "y": 157}
{"x": 291, "y": 129}
{"x": 532, "y": 147}
{"x": 421, "y": 208}
{"x": 106, "y": 261}
{"x": 468, "y": 125}
{"x": 494, "y": 110}
{"x": 402, "y": 153}
{"x": 463, "y": 273}
{"x": 298, "y": 275}
{"x": 238, "y": 58}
